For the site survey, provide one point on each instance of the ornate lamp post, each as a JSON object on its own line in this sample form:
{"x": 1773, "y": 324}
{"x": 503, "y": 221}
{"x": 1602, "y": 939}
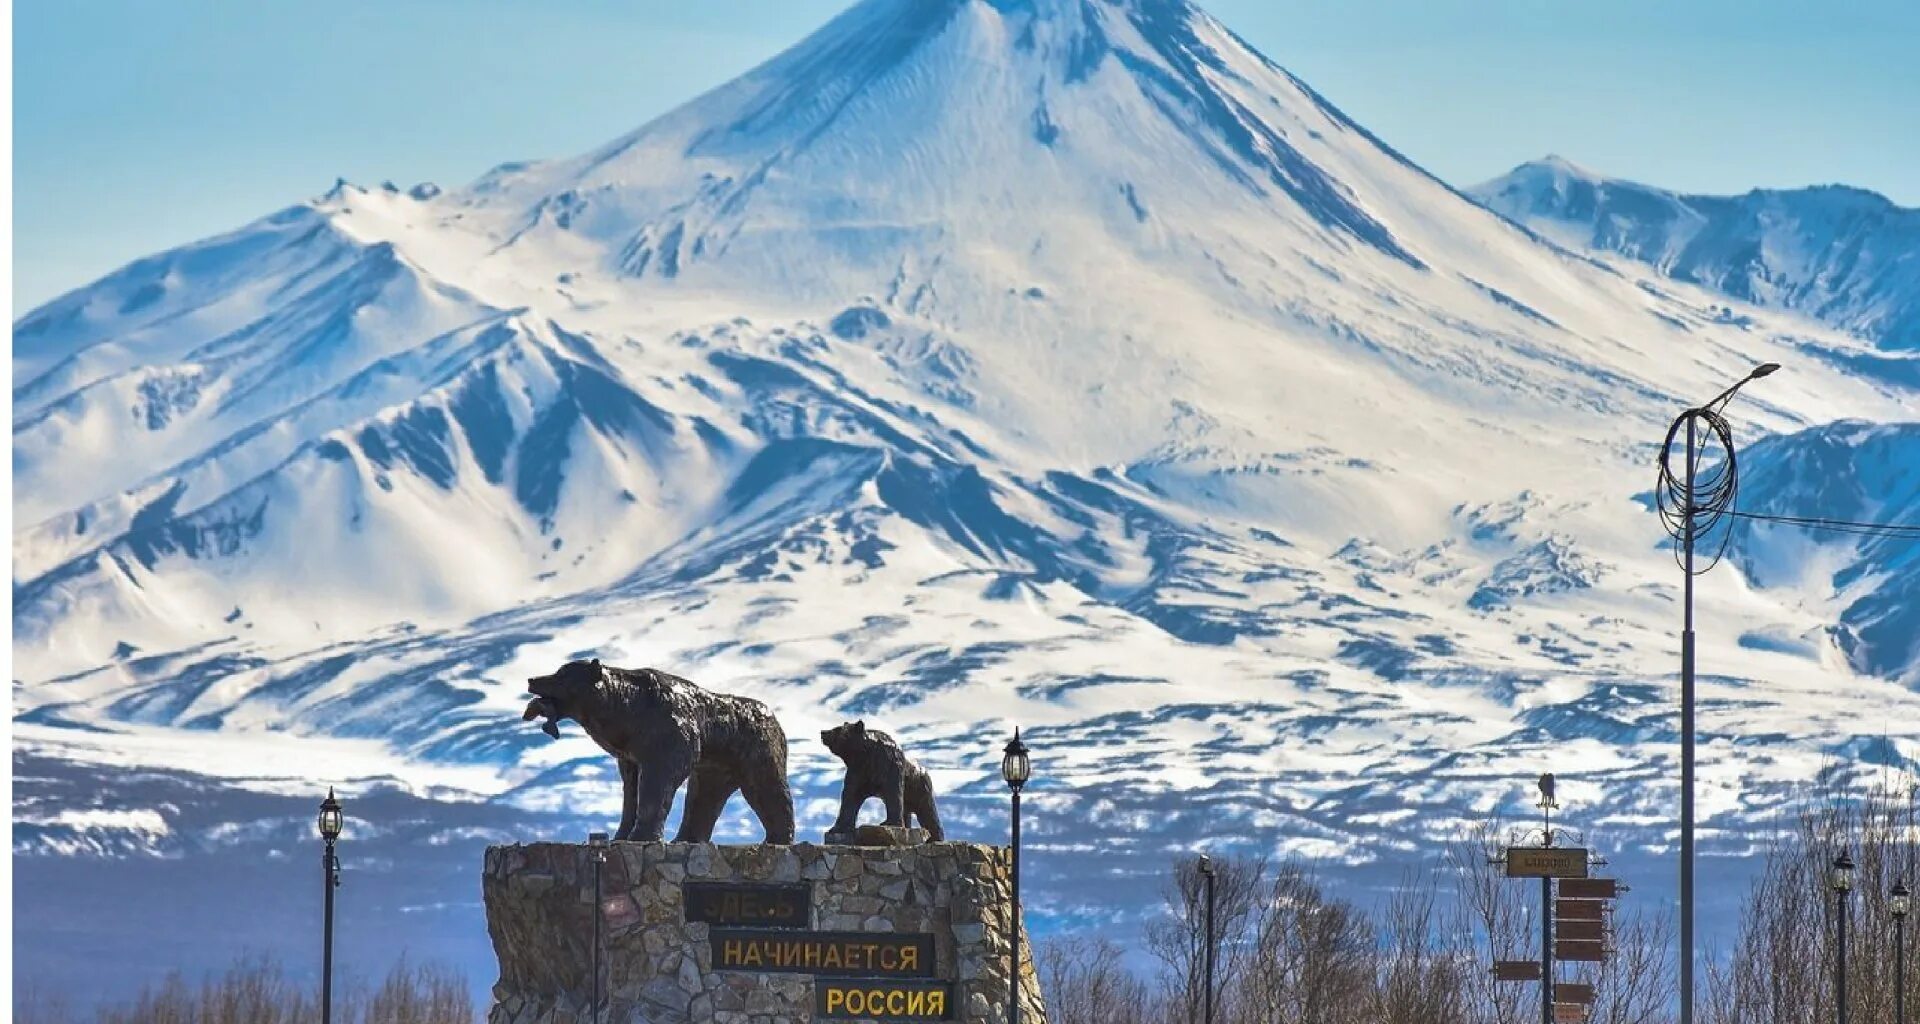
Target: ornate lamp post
{"x": 1016, "y": 769}
{"x": 331, "y": 821}
{"x": 1901, "y": 903}
{"x": 1206, "y": 872}
{"x": 1841, "y": 879}
{"x": 597, "y": 846}
{"x": 1685, "y": 505}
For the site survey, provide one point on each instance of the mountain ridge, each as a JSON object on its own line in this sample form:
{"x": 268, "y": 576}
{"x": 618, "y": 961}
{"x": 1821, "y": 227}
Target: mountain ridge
{"x": 1847, "y": 256}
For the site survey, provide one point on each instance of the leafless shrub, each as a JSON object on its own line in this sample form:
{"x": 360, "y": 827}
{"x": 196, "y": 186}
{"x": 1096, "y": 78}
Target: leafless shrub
{"x": 1087, "y": 982}
{"x": 426, "y": 994}
{"x": 255, "y": 990}
{"x": 1420, "y": 979}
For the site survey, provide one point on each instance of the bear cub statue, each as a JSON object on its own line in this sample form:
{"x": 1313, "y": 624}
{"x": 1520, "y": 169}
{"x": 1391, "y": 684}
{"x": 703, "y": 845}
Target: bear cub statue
{"x": 876, "y": 766}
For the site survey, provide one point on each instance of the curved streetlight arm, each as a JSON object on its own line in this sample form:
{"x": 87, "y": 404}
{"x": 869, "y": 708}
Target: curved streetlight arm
{"x": 1727, "y": 396}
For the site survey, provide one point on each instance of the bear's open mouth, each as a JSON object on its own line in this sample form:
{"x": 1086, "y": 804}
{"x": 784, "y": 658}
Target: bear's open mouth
{"x": 543, "y": 707}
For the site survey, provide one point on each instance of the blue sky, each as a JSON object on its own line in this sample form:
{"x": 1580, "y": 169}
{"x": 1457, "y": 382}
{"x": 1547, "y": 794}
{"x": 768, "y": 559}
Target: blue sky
{"x": 139, "y": 126}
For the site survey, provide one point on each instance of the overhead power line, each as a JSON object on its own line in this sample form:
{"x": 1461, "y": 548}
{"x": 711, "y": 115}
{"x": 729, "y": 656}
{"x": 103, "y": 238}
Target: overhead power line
{"x": 1864, "y": 529}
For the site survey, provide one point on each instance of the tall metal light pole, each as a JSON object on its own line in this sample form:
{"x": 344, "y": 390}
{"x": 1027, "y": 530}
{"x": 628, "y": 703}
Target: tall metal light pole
{"x": 597, "y": 846}
{"x": 1016, "y": 769}
{"x": 1684, "y": 522}
{"x": 1901, "y": 903}
{"x": 1206, "y": 872}
{"x": 1842, "y": 882}
{"x": 331, "y": 821}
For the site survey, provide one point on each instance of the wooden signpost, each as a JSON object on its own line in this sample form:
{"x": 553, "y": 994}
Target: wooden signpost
{"x": 1516, "y": 970}
{"x": 1583, "y": 931}
{"x": 1546, "y": 862}
{"x": 1573, "y": 921}
{"x": 1583, "y": 952}
{"x": 1579, "y": 910}
{"x": 1589, "y": 889}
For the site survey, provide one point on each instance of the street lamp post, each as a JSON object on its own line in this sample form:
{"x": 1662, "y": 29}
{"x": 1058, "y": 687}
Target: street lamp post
{"x": 1902, "y": 903}
{"x": 597, "y": 846}
{"x": 1842, "y": 882}
{"x": 1206, "y": 872}
{"x": 1689, "y": 514}
{"x": 331, "y": 821}
{"x": 1016, "y": 769}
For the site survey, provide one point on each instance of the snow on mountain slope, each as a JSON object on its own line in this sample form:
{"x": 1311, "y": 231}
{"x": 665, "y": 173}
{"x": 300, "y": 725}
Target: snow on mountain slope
{"x": 1841, "y": 255}
{"x": 1854, "y": 471}
{"x": 1042, "y": 361}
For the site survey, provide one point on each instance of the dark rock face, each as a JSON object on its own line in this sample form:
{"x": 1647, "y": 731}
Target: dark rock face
{"x": 665, "y": 731}
{"x": 876, "y": 766}
{"x": 658, "y": 968}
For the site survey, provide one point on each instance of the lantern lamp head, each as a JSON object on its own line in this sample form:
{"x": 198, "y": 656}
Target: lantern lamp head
{"x": 1206, "y": 865}
{"x": 1902, "y": 901}
{"x": 1843, "y": 872}
{"x": 1015, "y": 767}
{"x": 331, "y": 819}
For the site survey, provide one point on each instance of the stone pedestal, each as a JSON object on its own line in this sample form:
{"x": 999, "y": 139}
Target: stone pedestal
{"x": 878, "y": 835}
{"x": 902, "y": 932}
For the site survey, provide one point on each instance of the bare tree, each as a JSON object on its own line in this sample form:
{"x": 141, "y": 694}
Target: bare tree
{"x": 1311, "y": 958}
{"x": 1782, "y": 964}
{"x": 1087, "y": 982}
{"x": 1636, "y": 984}
{"x": 1179, "y": 939}
{"x": 1420, "y": 980}
{"x": 36, "y": 1003}
{"x": 1491, "y": 919}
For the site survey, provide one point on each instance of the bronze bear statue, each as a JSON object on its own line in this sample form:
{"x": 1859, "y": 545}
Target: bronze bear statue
{"x": 876, "y": 766}
{"x": 665, "y": 731}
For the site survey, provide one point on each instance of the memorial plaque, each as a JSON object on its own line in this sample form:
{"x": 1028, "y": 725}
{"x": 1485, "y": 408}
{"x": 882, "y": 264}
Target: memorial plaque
{"x": 832, "y": 954}
{"x": 1584, "y": 931}
{"x": 775, "y": 905}
{"x": 1546, "y": 862}
{"x": 1569, "y": 993}
{"x": 1579, "y": 910}
{"x": 1590, "y": 888}
{"x": 882, "y": 999}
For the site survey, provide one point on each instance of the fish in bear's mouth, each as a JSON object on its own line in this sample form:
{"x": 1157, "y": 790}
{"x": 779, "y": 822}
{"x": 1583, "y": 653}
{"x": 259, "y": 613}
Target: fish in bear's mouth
{"x": 542, "y": 707}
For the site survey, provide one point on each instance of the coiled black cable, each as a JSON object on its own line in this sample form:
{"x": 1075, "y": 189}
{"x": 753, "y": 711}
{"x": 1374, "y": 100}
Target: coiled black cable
{"x": 1716, "y": 486}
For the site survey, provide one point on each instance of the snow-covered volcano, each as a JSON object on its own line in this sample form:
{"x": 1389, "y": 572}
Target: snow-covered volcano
{"x": 1061, "y": 362}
